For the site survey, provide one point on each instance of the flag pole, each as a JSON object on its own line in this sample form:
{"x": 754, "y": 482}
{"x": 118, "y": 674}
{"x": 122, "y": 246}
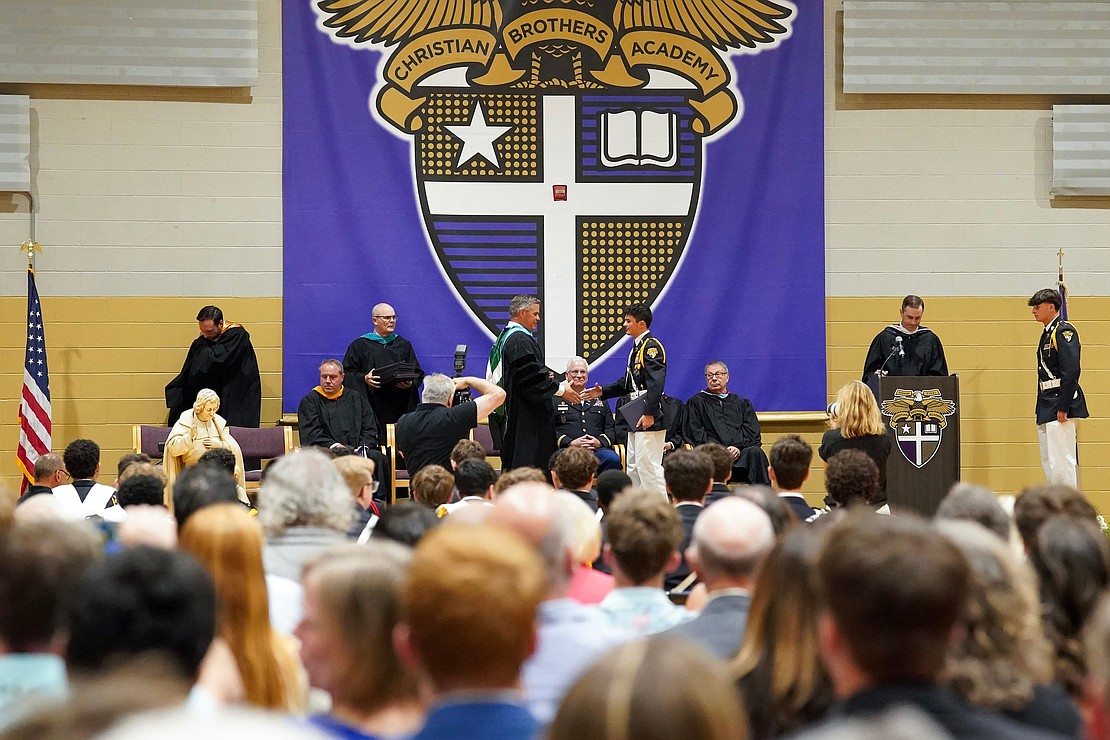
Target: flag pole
{"x": 1061, "y": 286}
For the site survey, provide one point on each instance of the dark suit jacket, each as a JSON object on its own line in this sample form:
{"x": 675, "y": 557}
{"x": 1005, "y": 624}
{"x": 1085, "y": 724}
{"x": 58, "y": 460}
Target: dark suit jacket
{"x": 720, "y": 627}
{"x": 960, "y": 720}
{"x": 717, "y": 492}
{"x": 687, "y": 514}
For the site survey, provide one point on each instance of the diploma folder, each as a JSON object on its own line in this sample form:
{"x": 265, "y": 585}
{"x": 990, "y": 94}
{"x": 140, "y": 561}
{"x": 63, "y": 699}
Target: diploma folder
{"x": 396, "y": 372}
{"x": 633, "y": 410}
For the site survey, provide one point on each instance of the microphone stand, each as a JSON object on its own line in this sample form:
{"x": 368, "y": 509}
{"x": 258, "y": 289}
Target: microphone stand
{"x": 893, "y": 352}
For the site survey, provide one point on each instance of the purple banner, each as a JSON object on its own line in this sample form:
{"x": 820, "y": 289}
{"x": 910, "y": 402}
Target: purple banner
{"x": 445, "y": 161}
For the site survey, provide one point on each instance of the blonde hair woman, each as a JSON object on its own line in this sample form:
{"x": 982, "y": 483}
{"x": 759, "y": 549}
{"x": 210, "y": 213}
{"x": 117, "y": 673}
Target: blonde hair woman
{"x": 857, "y": 424}
{"x": 228, "y": 543}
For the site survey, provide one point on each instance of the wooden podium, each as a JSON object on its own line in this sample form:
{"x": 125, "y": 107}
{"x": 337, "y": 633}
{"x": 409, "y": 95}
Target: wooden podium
{"x": 923, "y": 416}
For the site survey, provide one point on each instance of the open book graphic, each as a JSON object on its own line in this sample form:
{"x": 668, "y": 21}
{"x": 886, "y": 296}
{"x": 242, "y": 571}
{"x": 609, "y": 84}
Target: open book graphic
{"x": 639, "y": 137}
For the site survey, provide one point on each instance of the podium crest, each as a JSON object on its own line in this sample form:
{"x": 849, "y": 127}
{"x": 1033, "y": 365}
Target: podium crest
{"x": 918, "y": 419}
{"x": 558, "y": 146}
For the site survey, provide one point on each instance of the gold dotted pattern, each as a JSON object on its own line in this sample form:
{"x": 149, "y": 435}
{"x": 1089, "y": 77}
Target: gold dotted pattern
{"x": 517, "y": 151}
{"x": 623, "y": 262}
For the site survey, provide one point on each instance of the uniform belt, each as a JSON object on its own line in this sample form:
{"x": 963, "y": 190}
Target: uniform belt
{"x": 1049, "y": 384}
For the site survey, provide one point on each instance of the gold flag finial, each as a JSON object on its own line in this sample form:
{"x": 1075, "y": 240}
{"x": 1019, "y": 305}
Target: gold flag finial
{"x": 30, "y": 247}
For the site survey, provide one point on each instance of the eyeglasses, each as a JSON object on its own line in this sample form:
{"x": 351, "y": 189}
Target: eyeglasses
{"x": 717, "y": 375}
{"x": 386, "y": 318}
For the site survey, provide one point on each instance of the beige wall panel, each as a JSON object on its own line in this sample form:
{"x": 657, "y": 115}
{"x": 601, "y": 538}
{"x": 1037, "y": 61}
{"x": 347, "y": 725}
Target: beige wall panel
{"x": 948, "y": 194}
{"x": 110, "y": 359}
{"x": 177, "y": 172}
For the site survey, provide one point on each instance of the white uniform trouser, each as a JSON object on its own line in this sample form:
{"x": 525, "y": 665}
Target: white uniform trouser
{"x": 1058, "y": 452}
{"x": 645, "y": 460}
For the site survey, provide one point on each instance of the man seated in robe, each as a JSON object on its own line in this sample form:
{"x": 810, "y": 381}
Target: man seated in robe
{"x": 715, "y": 415}
{"x": 906, "y": 348}
{"x": 339, "y": 420}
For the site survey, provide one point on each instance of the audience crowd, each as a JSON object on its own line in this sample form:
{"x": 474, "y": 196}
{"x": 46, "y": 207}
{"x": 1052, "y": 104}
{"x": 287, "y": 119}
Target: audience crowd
{"x": 554, "y": 603}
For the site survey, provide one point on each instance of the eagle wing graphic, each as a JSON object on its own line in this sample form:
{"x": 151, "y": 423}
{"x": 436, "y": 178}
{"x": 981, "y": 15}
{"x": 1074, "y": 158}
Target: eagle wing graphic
{"x": 897, "y": 409}
{"x": 941, "y": 408}
{"x": 723, "y": 24}
{"x": 391, "y": 21}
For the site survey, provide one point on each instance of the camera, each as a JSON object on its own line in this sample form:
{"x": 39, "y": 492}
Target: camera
{"x": 461, "y": 396}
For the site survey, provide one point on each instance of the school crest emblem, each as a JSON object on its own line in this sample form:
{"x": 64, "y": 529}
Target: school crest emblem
{"x": 558, "y": 146}
{"x": 918, "y": 419}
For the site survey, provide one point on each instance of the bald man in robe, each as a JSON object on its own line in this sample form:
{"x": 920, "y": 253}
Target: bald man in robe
{"x": 374, "y": 350}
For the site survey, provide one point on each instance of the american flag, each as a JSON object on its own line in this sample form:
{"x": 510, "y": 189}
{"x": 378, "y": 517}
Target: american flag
{"x": 34, "y": 409}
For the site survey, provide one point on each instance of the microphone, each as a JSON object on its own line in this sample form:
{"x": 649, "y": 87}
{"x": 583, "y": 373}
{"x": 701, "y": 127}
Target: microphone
{"x": 898, "y": 345}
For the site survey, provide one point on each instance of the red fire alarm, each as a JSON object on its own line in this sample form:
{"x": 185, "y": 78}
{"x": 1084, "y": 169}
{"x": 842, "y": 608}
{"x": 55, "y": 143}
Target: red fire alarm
{"x": 559, "y": 192}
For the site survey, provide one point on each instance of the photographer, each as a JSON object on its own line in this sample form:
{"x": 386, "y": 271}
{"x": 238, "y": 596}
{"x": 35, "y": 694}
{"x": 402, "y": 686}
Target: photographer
{"x": 425, "y": 436}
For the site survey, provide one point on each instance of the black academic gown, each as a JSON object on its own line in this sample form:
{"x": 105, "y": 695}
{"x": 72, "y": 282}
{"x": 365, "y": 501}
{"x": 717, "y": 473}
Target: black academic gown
{"x": 348, "y": 420}
{"x": 227, "y": 365}
{"x": 528, "y": 435}
{"x": 730, "y": 421}
{"x": 389, "y": 402}
{"x": 924, "y": 353}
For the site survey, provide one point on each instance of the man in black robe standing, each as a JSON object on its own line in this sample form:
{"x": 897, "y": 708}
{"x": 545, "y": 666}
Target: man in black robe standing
{"x": 335, "y": 418}
{"x": 221, "y": 358}
{"x": 906, "y": 348}
{"x": 377, "y": 349}
{"x": 527, "y": 428}
{"x": 715, "y": 415}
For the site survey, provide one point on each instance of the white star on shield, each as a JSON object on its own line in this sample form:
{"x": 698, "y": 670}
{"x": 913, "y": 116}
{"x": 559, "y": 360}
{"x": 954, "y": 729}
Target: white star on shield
{"x": 478, "y": 138}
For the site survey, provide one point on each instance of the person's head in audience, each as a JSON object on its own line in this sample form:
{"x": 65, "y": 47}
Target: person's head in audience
{"x": 539, "y": 518}
{"x": 142, "y": 468}
{"x": 730, "y": 540}
{"x": 223, "y": 458}
{"x": 1096, "y": 694}
{"x": 358, "y": 474}
{"x": 30, "y": 509}
{"x": 42, "y": 562}
{"x": 610, "y": 484}
{"x": 857, "y": 412}
{"x": 82, "y": 459}
{"x": 644, "y": 534}
{"x": 50, "y": 470}
{"x": 140, "y": 490}
{"x": 432, "y": 486}
{"x": 304, "y": 489}
{"x": 1002, "y": 654}
{"x": 893, "y": 590}
{"x": 466, "y": 449}
{"x": 781, "y": 516}
{"x": 227, "y": 541}
{"x": 475, "y": 478}
{"x": 851, "y": 478}
{"x": 721, "y": 459}
{"x": 576, "y": 469}
{"x": 781, "y": 675}
{"x": 351, "y": 606}
{"x": 688, "y": 475}
{"x": 585, "y": 529}
{"x": 199, "y": 486}
{"x": 140, "y": 602}
{"x": 405, "y": 523}
{"x": 1037, "y": 504}
{"x": 974, "y": 503}
{"x": 655, "y": 689}
{"x": 459, "y": 577}
{"x": 510, "y": 478}
{"x": 552, "y": 461}
{"x": 125, "y": 461}
{"x": 1071, "y": 558}
{"x": 790, "y": 458}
